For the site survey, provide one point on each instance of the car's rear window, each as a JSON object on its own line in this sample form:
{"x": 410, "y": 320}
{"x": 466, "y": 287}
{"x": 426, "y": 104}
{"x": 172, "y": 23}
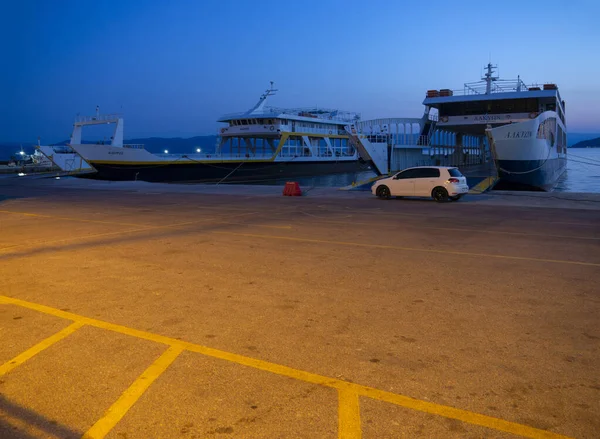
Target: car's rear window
{"x": 454, "y": 172}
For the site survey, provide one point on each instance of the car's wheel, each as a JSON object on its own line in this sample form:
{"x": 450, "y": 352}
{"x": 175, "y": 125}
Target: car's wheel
{"x": 383, "y": 192}
{"x": 439, "y": 194}
{"x": 456, "y": 198}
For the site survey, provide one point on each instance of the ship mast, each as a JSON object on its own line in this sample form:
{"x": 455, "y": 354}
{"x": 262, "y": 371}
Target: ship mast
{"x": 258, "y": 108}
{"x": 489, "y": 78}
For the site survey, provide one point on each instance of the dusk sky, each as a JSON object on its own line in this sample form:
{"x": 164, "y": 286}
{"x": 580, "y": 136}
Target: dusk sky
{"x": 172, "y": 68}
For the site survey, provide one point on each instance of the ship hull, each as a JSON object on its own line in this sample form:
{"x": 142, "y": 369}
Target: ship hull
{"x": 536, "y": 175}
{"x": 530, "y": 155}
{"x": 226, "y": 172}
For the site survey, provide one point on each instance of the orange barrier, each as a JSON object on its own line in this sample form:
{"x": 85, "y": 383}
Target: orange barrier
{"x": 292, "y": 189}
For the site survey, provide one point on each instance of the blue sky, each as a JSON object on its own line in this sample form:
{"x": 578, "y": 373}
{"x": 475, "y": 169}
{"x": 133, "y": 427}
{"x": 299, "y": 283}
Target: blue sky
{"x": 173, "y": 67}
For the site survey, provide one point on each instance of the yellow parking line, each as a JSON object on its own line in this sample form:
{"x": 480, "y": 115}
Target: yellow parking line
{"x": 65, "y": 218}
{"x": 116, "y": 412}
{"x": 349, "y": 415}
{"x": 454, "y": 229}
{"x": 411, "y": 249}
{"x": 453, "y": 413}
{"x": 23, "y": 357}
{"x": 380, "y": 395}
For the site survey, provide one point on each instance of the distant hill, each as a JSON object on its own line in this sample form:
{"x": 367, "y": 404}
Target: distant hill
{"x": 574, "y": 138}
{"x": 590, "y": 143}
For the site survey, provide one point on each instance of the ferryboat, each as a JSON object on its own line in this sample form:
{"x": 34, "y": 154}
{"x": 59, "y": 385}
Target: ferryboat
{"x": 260, "y": 144}
{"x": 525, "y": 126}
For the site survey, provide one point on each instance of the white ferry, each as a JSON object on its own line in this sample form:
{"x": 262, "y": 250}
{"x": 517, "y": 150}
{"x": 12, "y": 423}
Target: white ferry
{"x": 525, "y": 126}
{"x": 260, "y": 144}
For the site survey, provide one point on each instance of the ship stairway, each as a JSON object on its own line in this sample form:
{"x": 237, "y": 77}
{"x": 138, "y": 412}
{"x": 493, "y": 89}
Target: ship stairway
{"x": 427, "y": 133}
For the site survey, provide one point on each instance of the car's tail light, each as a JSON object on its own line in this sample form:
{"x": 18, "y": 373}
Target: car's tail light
{"x": 453, "y": 180}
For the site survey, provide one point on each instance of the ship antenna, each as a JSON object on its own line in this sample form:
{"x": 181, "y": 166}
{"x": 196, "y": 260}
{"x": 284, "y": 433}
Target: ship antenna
{"x": 489, "y": 78}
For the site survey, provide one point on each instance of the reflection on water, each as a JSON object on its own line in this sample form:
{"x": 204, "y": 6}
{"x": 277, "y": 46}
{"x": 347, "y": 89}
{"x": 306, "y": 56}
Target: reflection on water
{"x": 583, "y": 171}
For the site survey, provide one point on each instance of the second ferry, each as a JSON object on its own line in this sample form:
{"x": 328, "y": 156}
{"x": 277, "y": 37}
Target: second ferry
{"x": 261, "y": 144}
{"x": 525, "y": 127}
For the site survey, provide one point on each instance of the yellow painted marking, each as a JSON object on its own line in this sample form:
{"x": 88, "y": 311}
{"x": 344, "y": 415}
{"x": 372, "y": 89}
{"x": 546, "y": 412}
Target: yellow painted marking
{"x": 380, "y": 395}
{"x": 63, "y": 218}
{"x": 413, "y": 249}
{"x": 116, "y": 411}
{"x": 73, "y": 238}
{"x": 484, "y": 185}
{"x": 449, "y": 229}
{"x": 141, "y": 229}
{"x": 454, "y": 413}
{"x": 34, "y": 350}
{"x": 348, "y": 415}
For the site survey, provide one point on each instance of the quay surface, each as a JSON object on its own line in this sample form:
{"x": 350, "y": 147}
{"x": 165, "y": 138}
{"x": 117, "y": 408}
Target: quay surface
{"x": 136, "y": 310}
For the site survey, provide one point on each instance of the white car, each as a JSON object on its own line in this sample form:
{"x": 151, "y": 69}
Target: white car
{"x": 438, "y": 182}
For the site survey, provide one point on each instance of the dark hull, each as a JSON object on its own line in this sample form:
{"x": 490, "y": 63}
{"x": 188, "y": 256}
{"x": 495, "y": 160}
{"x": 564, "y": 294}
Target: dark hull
{"x": 225, "y": 172}
{"x": 533, "y": 175}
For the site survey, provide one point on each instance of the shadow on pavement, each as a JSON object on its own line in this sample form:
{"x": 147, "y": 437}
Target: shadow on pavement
{"x": 13, "y": 417}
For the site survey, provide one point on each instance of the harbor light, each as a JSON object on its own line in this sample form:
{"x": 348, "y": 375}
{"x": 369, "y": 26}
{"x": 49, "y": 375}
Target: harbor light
{"x": 21, "y": 174}
{"x": 166, "y": 151}
{"x": 22, "y": 152}
{"x": 198, "y": 150}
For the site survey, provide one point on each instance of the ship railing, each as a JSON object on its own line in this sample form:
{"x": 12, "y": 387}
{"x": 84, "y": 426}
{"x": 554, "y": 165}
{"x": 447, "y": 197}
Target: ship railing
{"x": 311, "y": 113}
{"x": 398, "y": 139}
{"x": 99, "y": 117}
{"x": 304, "y": 130}
{"x": 318, "y": 113}
{"x": 498, "y": 86}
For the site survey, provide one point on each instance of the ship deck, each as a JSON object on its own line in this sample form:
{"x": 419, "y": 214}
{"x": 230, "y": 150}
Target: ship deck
{"x": 232, "y": 310}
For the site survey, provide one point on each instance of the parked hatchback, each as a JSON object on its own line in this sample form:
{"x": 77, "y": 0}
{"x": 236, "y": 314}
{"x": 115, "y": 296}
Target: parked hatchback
{"x": 438, "y": 182}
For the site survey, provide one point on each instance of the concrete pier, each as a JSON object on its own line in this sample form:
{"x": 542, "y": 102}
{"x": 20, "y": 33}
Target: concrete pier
{"x": 233, "y": 311}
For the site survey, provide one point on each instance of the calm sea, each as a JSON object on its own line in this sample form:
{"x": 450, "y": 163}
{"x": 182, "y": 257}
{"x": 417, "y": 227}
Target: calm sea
{"x": 583, "y": 171}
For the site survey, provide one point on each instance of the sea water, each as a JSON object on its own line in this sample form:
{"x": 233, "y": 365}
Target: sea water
{"x": 583, "y": 171}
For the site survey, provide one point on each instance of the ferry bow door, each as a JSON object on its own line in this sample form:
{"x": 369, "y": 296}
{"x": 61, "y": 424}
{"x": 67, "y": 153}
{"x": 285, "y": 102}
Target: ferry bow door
{"x": 425, "y": 180}
{"x": 403, "y": 183}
